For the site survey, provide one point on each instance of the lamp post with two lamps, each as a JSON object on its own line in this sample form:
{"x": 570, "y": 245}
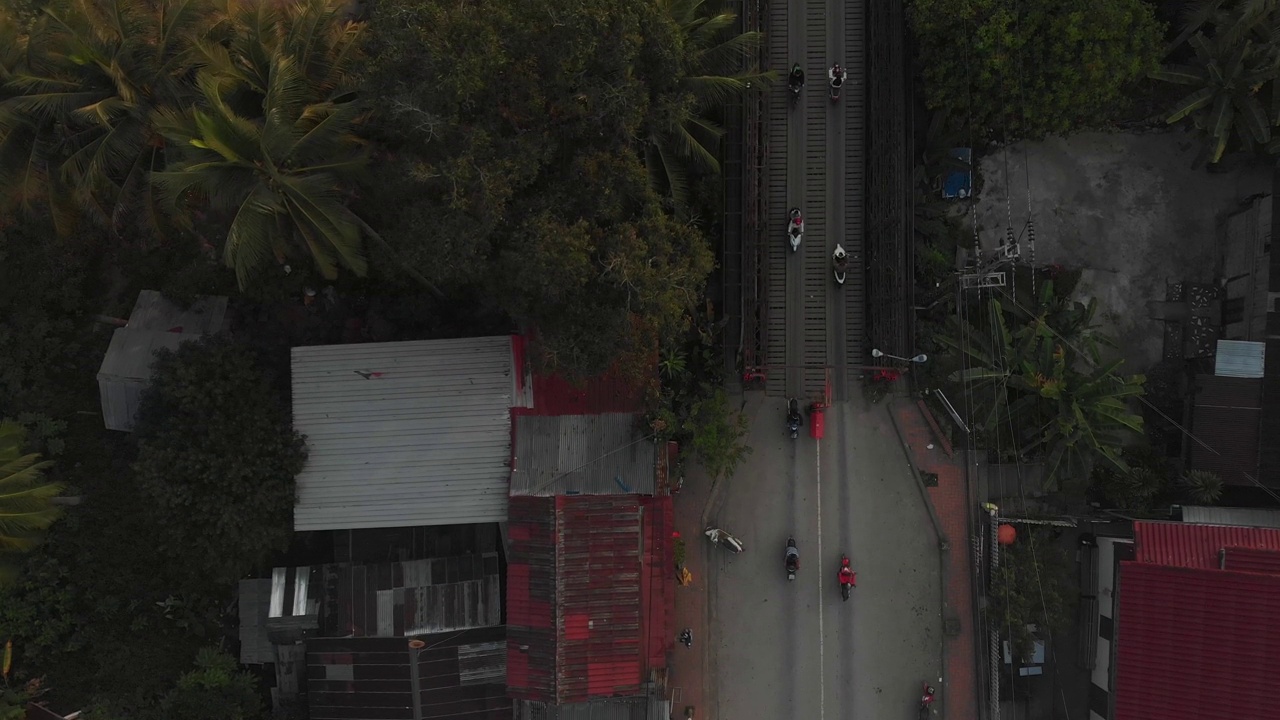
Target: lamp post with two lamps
{"x": 876, "y": 353}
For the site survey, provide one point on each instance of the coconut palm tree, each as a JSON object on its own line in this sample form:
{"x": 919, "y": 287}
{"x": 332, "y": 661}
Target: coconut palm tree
{"x": 76, "y": 116}
{"x": 1202, "y": 487}
{"x": 1226, "y": 77}
{"x": 716, "y": 68}
{"x": 26, "y": 500}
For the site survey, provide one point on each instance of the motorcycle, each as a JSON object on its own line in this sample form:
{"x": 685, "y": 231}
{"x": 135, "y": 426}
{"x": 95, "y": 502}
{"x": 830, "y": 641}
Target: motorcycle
{"x": 840, "y": 259}
{"x": 836, "y": 76}
{"x": 793, "y": 558}
{"x": 794, "y": 419}
{"x": 926, "y": 702}
{"x": 847, "y": 577}
{"x": 795, "y": 82}
{"x": 795, "y": 229}
{"x": 722, "y": 537}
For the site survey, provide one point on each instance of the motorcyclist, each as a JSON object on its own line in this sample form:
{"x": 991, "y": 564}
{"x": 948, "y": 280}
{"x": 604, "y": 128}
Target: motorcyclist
{"x": 793, "y": 557}
{"x": 841, "y": 260}
{"x": 927, "y": 699}
{"x": 847, "y": 575}
{"x": 796, "y": 80}
{"x": 797, "y": 222}
{"x": 836, "y": 75}
{"x": 794, "y": 420}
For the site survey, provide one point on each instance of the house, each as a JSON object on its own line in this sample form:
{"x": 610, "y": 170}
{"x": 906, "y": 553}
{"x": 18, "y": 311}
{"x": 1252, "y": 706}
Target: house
{"x": 155, "y": 323}
{"x": 406, "y": 434}
{"x": 1187, "y": 626}
{"x": 590, "y": 574}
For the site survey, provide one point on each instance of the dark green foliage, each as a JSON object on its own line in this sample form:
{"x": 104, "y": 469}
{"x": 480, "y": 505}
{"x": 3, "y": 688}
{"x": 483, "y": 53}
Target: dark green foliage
{"x": 513, "y": 166}
{"x": 217, "y": 454}
{"x": 216, "y": 690}
{"x": 1028, "y": 588}
{"x": 1035, "y": 67}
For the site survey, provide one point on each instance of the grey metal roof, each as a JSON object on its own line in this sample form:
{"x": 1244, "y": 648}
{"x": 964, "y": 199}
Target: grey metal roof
{"x": 154, "y": 323}
{"x": 582, "y": 455}
{"x": 1242, "y": 517}
{"x": 404, "y": 433}
{"x": 1238, "y": 358}
{"x": 255, "y": 644}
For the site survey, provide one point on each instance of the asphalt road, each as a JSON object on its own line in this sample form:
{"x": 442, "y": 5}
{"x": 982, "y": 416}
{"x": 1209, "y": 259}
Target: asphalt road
{"x": 795, "y": 649}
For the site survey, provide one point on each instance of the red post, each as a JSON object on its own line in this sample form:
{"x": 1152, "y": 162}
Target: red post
{"x": 817, "y": 421}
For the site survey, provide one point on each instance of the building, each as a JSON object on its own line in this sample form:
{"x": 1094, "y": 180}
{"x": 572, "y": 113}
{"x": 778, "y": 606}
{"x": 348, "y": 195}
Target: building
{"x": 1187, "y": 627}
{"x": 591, "y": 566}
{"x": 406, "y": 433}
{"x": 155, "y": 323}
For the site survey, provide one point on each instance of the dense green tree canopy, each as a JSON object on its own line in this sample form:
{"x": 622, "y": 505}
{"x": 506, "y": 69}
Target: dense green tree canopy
{"x": 217, "y": 456}
{"x": 1034, "y": 67}
{"x": 513, "y": 164}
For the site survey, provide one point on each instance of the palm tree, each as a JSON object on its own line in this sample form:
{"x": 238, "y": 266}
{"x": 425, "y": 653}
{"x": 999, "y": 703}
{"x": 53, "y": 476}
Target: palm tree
{"x": 1227, "y": 77}
{"x": 26, "y": 500}
{"x": 1028, "y": 391}
{"x": 1202, "y": 487}
{"x": 283, "y": 178}
{"x": 76, "y": 119}
{"x": 716, "y": 68}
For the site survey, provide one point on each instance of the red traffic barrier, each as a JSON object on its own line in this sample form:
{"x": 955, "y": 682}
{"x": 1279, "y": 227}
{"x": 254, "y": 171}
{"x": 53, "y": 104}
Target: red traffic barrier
{"x": 817, "y": 421}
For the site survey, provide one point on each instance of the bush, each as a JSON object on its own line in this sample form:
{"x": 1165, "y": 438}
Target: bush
{"x": 217, "y": 456}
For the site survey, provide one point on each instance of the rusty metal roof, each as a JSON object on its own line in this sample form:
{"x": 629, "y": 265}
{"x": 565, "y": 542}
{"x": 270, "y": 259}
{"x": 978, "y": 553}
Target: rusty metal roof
{"x": 574, "y": 598}
{"x": 1195, "y": 644}
{"x": 632, "y": 708}
{"x": 1196, "y": 546}
{"x": 582, "y": 455}
{"x": 454, "y": 675}
{"x": 404, "y": 433}
{"x": 1227, "y": 417}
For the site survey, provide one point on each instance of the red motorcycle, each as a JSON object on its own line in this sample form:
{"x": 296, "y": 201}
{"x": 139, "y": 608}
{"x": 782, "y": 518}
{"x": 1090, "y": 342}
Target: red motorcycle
{"x": 847, "y": 577}
{"x": 926, "y": 701}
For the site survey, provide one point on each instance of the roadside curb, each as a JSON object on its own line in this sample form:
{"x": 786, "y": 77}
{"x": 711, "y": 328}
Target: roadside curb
{"x": 944, "y": 543}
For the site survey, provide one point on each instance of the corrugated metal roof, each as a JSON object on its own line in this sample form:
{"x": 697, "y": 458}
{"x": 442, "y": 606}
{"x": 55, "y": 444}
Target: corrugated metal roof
{"x": 406, "y": 433}
{"x": 155, "y": 323}
{"x": 592, "y": 647}
{"x": 454, "y": 675}
{"x": 1248, "y": 517}
{"x": 1253, "y": 560}
{"x": 1196, "y": 546}
{"x": 255, "y": 643}
{"x": 582, "y": 454}
{"x": 413, "y": 597}
{"x": 633, "y": 708}
{"x": 1196, "y": 644}
{"x": 658, "y": 581}
{"x": 1239, "y": 359}
{"x": 608, "y": 393}
{"x": 1227, "y": 418}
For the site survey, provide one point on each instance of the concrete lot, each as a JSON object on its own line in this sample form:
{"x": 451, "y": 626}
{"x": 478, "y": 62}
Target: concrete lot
{"x": 1129, "y": 210}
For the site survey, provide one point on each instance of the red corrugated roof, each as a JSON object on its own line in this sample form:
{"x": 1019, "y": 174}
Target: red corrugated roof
{"x": 608, "y": 393}
{"x": 1196, "y": 546}
{"x": 658, "y": 581}
{"x": 1238, "y": 559}
{"x": 580, "y": 557}
{"x": 1196, "y": 644}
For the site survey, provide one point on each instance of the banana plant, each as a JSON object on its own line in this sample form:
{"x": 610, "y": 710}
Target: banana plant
{"x": 1227, "y": 78}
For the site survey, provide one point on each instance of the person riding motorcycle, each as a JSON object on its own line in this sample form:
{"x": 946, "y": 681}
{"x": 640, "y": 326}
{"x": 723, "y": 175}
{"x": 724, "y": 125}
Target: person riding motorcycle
{"x": 847, "y": 575}
{"x": 841, "y": 262}
{"x": 836, "y": 75}
{"x": 796, "y": 80}
{"x": 794, "y": 419}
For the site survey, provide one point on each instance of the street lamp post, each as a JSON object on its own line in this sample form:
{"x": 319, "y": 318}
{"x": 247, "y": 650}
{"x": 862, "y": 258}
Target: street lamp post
{"x": 875, "y": 353}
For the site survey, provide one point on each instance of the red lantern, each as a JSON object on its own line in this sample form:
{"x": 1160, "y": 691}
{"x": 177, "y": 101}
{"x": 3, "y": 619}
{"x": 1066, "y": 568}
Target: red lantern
{"x": 1006, "y": 534}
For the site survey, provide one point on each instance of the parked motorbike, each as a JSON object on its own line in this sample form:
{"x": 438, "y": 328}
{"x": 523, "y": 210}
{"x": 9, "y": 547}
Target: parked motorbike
{"x": 840, "y": 259}
{"x": 847, "y": 577}
{"x": 793, "y": 558}
{"x": 795, "y": 82}
{"x": 836, "y": 77}
{"x": 794, "y": 419}
{"x": 795, "y": 229}
{"x": 926, "y": 702}
{"x": 722, "y": 537}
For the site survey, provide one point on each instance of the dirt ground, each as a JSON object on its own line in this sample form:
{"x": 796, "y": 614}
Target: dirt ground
{"x": 1129, "y": 210}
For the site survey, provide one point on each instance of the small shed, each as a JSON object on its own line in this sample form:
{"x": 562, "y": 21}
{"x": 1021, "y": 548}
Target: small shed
{"x": 154, "y": 323}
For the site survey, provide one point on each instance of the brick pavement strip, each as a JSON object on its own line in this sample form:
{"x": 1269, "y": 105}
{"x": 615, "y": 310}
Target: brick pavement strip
{"x": 690, "y": 673}
{"x": 950, "y": 511}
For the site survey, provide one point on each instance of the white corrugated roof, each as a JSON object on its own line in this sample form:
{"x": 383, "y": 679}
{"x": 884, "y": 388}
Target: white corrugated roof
{"x": 1242, "y": 517}
{"x": 406, "y": 433}
{"x": 1240, "y": 358}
